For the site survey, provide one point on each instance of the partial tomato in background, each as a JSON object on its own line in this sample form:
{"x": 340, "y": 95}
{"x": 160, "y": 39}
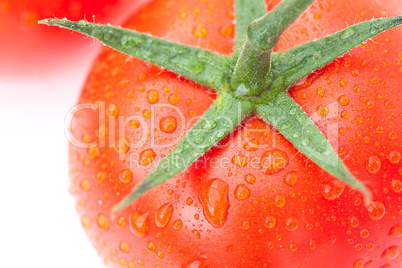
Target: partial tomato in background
{"x": 27, "y": 48}
{"x": 223, "y": 211}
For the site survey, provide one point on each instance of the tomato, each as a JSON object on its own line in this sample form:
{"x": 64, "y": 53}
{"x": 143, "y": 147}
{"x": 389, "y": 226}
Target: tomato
{"x": 223, "y": 211}
{"x": 27, "y": 48}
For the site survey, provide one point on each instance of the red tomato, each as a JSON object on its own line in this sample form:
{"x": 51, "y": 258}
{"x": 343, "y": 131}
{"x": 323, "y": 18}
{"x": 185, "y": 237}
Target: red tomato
{"x": 223, "y": 211}
{"x": 27, "y": 47}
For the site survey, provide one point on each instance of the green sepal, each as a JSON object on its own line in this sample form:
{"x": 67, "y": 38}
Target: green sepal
{"x": 199, "y": 65}
{"x": 295, "y": 125}
{"x": 292, "y": 65}
{"x": 223, "y": 116}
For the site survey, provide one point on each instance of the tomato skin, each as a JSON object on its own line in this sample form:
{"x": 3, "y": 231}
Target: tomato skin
{"x": 29, "y": 48}
{"x": 298, "y": 216}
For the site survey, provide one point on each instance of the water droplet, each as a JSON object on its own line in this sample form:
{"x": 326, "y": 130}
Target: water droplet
{"x": 345, "y": 114}
{"x": 173, "y": 98}
{"x": 348, "y": 32}
{"x": 274, "y": 161}
{"x": 343, "y": 82}
{"x": 353, "y": 221}
{"x": 226, "y": 30}
{"x": 392, "y": 135}
{"x": 112, "y": 110}
{"x": 279, "y": 201}
{"x": 146, "y": 113}
{"x": 208, "y": 124}
{"x": 250, "y": 178}
{"x": 102, "y": 222}
{"x": 270, "y": 222}
{"x": 146, "y": 157}
{"x": 373, "y": 164}
{"x": 84, "y": 185}
{"x": 240, "y": 160}
{"x": 320, "y": 92}
{"x": 163, "y": 215}
{"x": 396, "y": 186}
{"x": 389, "y": 104}
{"x": 290, "y": 178}
{"x": 121, "y": 222}
{"x": 358, "y": 263}
{"x": 151, "y": 246}
{"x": 332, "y": 189}
{"x": 291, "y": 224}
{"x": 213, "y": 196}
{"x": 332, "y": 238}
{"x": 196, "y": 233}
{"x": 241, "y": 192}
{"x": 391, "y": 253}
{"x": 322, "y": 110}
{"x": 376, "y": 210}
{"x": 199, "y": 31}
{"x": 122, "y": 145}
{"x": 126, "y": 175}
{"x": 177, "y": 224}
{"x": 152, "y": 96}
{"x": 364, "y": 233}
{"x": 85, "y": 222}
{"x": 159, "y": 254}
{"x": 131, "y": 41}
{"x": 292, "y": 247}
{"x": 394, "y": 157}
{"x": 139, "y": 223}
{"x": 251, "y": 145}
{"x": 168, "y": 124}
{"x": 312, "y": 245}
{"x": 343, "y": 100}
{"x": 124, "y": 247}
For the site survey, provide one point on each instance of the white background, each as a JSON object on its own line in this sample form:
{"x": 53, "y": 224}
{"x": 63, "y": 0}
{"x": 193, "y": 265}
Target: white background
{"x": 39, "y": 226}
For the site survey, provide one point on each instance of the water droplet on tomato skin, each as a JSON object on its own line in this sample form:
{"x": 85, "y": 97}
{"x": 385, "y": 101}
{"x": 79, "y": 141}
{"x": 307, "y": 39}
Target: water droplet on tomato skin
{"x": 291, "y": 223}
{"x": 396, "y": 186}
{"x": 343, "y": 100}
{"x": 353, "y": 221}
{"x": 151, "y": 246}
{"x": 152, "y": 96}
{"x": 390, "y": 253}
{"x": 394, "y": 157}
{"x": 322, "y": 110}
{"x": 279, "y": 200}
{"x": 126, "y": 175}
{"x": 122, "y": 145}
{"x": 395, "y": 231}
{"x": 364, "y": 233}
{"x": 102, "y": 222}
{"x": 241, "y": 192}
{"x": 168, "y": 124}
{"x": 112, "y": 110}
{"x": 250, "y": 178}
{"x": 290, "y": 178}
{"x": 124, "y": 247}
{"x": 373, "y": 164}
{"x": 146, "y": 157}
{"x": 358, "y": 263}
{"x": 292, "y": 247}
{"x": 270, "y": 222}
{"x": 312, "y": 244}
{"x": 163, "y": 215}
{"x": 213, "y": 196}
{"x": 174, "y": 98}
{"x": 139, "y": 223}
{"x": 274, "y": 161}
{"x": 376, "y": 210}
{"x": 240, "y": 160}
{"x": 332, "y": 189}
{"x": 177, "y": 224}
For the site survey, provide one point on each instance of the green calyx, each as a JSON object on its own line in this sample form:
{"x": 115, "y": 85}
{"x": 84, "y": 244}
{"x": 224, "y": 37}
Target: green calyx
{"x": 253, "y": 80}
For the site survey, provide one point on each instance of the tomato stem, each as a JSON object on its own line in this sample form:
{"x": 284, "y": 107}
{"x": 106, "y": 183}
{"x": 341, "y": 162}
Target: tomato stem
{"x": 253, "y": 69}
